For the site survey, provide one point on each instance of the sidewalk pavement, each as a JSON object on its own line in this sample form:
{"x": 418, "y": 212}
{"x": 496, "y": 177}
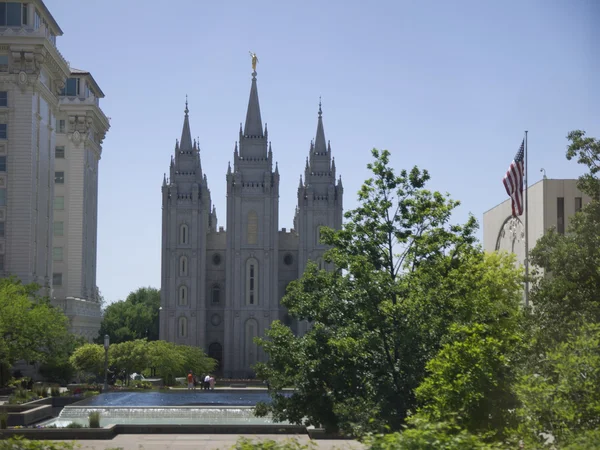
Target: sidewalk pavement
{"x": 204, "y": 442}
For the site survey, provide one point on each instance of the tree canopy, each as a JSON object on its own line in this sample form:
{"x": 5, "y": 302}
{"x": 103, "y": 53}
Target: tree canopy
{"x": 404, "y": 275}
{"x": 31, "y": 329}
{"x": 136, "y": 317}
{"x": 156, "y": 358}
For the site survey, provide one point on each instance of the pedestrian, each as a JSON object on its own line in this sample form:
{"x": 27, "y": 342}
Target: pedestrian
{"x": 190, "y": 380}
{"x": 206, "y": 382}
{"x": 212, "y": 383}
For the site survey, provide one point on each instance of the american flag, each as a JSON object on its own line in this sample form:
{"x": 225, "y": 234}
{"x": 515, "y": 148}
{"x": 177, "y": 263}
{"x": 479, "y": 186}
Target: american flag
{"x": 513, "y": 181}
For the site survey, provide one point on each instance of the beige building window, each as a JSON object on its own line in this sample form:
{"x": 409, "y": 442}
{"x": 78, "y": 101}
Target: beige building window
{"x": 252, "y": 281}
{"x": 252, "y": 228}
{"x": 57, "y": 254}
{"x": 59, "y": 152}
{"x": 58, "y": 228}
{"x": 182, "y": 327}
{"x": 560, "y": 215}
{"x": 578, "y": 204}
{"x": 59, "y": 177}
{"x": 183, "y": 296}
{"x": 59, "y": 203}
{"x": 183, "y": 266}
{"x": 183, "y": 234}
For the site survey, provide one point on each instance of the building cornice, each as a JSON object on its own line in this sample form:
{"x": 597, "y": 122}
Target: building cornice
{"x": 79, "y": 107}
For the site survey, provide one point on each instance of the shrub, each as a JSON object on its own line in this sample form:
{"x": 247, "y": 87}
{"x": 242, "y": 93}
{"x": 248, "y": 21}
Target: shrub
{"x": 3, "y": 421}
{"x": 55, "y": 391}
{"x": 94, "y": 419}
{"x": 142, "y": 384}
{"x": 268, "y": 444}
{"x": 590, "y": 440}
{"x": 20, "y": 443}
{"x": 427, "y": 435}
{"x": 74, "y": 425}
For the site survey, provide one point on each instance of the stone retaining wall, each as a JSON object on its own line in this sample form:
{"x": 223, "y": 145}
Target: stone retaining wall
{"x": 112, "y": 430}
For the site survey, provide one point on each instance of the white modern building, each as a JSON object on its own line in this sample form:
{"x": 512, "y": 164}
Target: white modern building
{"x": 220, "y": 289}
{"x": 50, "y": 144}
{"x": 552, "y": 203}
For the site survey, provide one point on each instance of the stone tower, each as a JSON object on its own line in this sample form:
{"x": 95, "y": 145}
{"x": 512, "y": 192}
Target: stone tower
{"x": 186, "y": 217}
{"x": 252, "y": 243}
{"x": 319, "y": 202}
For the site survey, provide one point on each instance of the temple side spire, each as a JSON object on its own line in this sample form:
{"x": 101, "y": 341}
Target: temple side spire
{"x": 253, "y": 125}
{"x": 186, "y": 135}
{"x": 320, "y": 144}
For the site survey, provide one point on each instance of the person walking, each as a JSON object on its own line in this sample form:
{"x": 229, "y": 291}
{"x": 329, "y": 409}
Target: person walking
{"x": 211, "y": 382}
{"x": 190, "y": 380}
{"x": 206, "y": 382}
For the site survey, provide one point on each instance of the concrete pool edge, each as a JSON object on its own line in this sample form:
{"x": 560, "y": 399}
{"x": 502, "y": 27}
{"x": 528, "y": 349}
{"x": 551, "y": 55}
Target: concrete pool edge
{"x": 111, "y": 431}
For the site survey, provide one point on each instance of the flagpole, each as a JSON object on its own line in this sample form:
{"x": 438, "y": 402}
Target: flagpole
{"x": 526, "y": 226}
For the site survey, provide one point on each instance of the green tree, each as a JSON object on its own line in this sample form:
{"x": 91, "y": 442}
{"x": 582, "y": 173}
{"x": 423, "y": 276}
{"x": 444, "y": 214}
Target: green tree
{"x": 561, "y": 397}
{"x": 30, "y": 328}
{"x": 404, "y": 275}
{"x": 471, "y": 379}
{"x": 136, "y": 317}
{"x": 566, "y": 289}
{"x": 587, "y": 152}
{"x": 195, "y": 359}
{"x": 129, "y": 357}
{"x": 165, "y": 360}
{"x": 57, "y": 366}
{"x": 89, "y": 358}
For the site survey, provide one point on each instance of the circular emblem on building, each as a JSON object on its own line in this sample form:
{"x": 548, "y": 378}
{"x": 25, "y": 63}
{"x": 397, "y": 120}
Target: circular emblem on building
{"x": 22, "y": 78}
{"x": 76, "y": 137}
{"x": 216, "y": 259}
{"x": 215, "y": 320}
{"x": 288, "y": 259}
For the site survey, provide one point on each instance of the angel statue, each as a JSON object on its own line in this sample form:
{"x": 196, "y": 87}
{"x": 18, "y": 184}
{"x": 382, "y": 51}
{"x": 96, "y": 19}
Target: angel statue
{"x": 254, "y": 60}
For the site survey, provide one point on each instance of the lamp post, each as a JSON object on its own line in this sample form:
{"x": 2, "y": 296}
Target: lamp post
{"x": 106, "y": 344}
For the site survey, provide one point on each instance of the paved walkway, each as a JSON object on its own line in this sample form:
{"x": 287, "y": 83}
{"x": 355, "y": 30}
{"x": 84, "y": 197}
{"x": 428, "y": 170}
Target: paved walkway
{"x": 202, "y": 442}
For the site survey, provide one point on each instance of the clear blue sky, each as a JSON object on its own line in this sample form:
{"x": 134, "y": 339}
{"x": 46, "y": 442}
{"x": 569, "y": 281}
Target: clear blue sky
{"x": 449, "y": 86}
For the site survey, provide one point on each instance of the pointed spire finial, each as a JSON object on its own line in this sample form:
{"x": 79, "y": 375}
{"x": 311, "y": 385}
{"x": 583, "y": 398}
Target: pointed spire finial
{"x": 186, "y": 136}
{"x": 320, "y": 145}
{"x": 253, "y": 126}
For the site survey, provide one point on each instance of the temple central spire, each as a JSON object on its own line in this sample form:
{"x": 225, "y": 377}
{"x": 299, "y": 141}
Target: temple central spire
{"x": 320, "y": 144}
{"x": 186, "y": 135}
{"x": 253, "y": 127}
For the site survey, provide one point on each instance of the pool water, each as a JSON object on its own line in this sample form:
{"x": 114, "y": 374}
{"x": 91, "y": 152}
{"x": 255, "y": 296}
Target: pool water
{"x": 170, "y": 407}
{"x": 176, "y": 398}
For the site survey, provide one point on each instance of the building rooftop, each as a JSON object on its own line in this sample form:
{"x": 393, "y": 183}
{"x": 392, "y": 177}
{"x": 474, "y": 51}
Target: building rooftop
{"x": 46, "y": 12}
{"x": 530, "y": 186}
{"x": 91, "y": 78}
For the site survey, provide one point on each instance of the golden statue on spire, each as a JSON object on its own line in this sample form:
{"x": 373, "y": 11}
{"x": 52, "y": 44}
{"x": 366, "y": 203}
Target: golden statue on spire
{"x": 254, "y": 60}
